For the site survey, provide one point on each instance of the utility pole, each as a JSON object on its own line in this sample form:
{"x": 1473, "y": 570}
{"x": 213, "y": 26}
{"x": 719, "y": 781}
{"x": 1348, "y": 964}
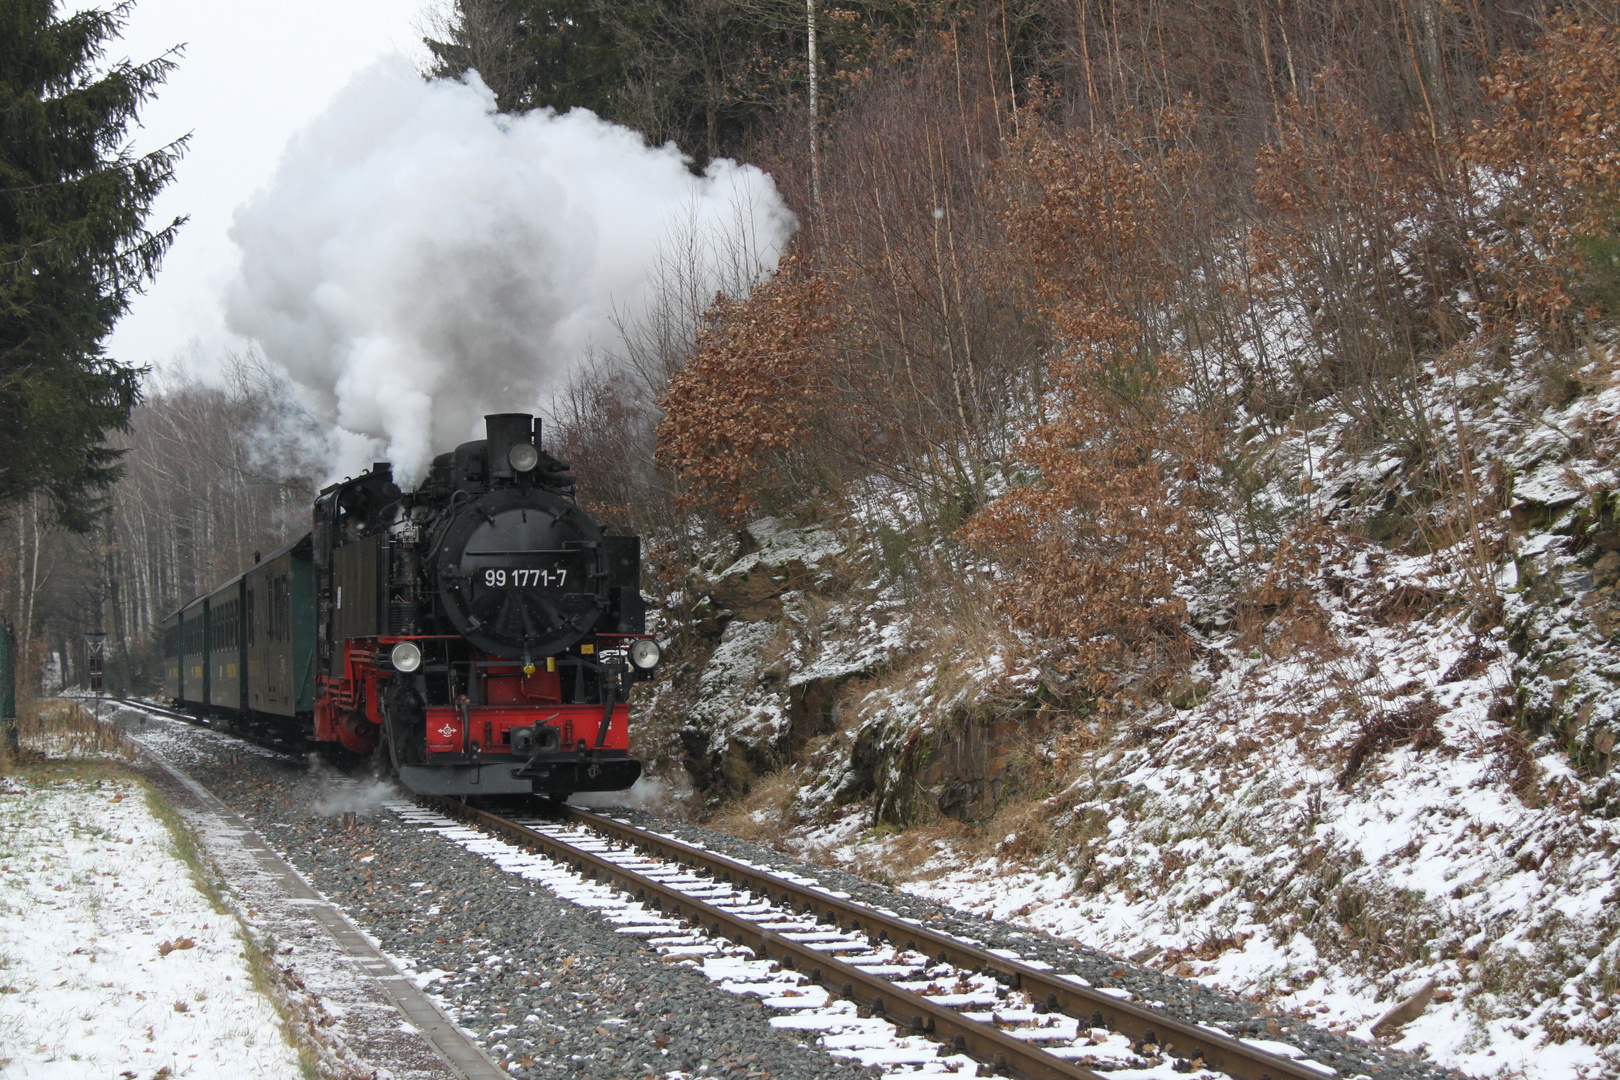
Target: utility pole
{"x": 815, "y": 123}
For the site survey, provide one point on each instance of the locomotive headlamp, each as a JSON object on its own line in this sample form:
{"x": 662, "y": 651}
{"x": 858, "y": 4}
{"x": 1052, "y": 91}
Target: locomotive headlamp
{"x": 645, "y": 654}
{"x": 406, "y": 657}
{"x": 523, "y": 457}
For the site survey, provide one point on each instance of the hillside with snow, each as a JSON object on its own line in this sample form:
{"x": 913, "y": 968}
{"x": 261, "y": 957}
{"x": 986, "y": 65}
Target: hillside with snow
{"x": 1382, "y": 773}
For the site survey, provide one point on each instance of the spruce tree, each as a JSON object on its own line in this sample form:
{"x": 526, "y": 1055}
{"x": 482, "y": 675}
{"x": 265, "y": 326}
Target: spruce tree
{"x": 534, "y": 54}
{"x": 707, "y": 74}
{"x": 74, "y": 247}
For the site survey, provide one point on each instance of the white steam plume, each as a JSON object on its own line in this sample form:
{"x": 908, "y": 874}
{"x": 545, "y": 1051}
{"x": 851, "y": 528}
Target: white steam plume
{"x": 420, "y": 260}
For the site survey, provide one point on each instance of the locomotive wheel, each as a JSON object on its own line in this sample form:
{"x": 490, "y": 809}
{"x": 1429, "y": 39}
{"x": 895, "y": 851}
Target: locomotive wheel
{"x": 405, "y": 728}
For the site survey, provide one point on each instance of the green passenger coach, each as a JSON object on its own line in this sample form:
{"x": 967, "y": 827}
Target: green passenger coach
{"x": 279, "y": 601}
{"x": 225, "y": 646}
{"x": 249, "y": 646}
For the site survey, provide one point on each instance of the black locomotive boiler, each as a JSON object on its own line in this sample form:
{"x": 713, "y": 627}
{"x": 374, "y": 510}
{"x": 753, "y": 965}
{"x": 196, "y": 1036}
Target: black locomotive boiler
{"x": 480, "y": 632}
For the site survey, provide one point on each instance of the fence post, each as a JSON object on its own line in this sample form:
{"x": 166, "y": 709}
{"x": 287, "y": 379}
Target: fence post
{"x": 8, "y": 685}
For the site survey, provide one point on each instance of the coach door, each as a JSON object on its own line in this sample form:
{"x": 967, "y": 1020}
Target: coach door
{"x": 276, "y": 648}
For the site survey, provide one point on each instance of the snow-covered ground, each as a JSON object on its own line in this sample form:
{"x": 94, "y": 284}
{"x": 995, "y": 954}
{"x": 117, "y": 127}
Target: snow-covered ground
{"x": 112, "y": 962}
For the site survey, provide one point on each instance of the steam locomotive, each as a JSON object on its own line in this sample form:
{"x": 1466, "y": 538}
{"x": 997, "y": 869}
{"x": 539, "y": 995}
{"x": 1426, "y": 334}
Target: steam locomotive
{"x": 481, "y": 633}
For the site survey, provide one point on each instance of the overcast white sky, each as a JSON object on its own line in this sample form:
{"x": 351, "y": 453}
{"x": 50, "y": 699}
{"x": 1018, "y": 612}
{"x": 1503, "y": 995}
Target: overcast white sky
{"x": 253, "y": 73}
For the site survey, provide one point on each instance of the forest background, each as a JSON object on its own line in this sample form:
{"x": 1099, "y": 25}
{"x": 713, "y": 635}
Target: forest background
{"x": 1067, "y": 274}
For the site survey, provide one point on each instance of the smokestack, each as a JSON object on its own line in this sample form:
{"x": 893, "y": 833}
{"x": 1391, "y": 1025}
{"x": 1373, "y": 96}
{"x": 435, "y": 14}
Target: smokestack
{"x": 504, "y": 431}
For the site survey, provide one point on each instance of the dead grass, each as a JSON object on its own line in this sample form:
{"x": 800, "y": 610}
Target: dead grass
{"x": 1515, "y": 765}
{"x": 900, "y": 855}
{"x": 56, "y": 729}
{"x": 764, "y": 815}
{"x": 1037, "y": 829}
{"x": 968, "y": 630}
{"x": 1406, "y": 603}
{"x": 1476, "y": 657}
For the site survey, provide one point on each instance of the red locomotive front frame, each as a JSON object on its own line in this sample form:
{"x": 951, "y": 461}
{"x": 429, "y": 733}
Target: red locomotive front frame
{"x": 495, "y": 726}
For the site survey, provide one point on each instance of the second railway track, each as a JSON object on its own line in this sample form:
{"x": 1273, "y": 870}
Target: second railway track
{"x": 1009, "y": 1015}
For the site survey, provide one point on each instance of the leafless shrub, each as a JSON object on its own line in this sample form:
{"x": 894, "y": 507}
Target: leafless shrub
{"x": 1412, "y": 725}
{"x": 1476, "y": 657}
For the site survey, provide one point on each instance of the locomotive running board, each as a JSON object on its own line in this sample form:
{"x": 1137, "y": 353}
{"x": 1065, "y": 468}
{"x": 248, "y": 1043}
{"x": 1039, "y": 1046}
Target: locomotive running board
{"x": 484, "y": 779}
{"x": 559, "y": 774}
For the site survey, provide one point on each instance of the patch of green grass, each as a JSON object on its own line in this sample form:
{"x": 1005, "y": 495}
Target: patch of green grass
{"x": 184, "y": 845}
{"x": 266, "y": 978}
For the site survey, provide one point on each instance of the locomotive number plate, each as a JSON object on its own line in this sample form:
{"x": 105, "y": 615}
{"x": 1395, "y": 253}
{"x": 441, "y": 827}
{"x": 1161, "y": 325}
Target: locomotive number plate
{"x": 525, "y": 578}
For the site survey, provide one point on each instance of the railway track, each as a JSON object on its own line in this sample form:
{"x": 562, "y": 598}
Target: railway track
{"x": 1007, "y": 1014}
{"x": 264, "y": 738}
{"x": 1011, "y": 1016}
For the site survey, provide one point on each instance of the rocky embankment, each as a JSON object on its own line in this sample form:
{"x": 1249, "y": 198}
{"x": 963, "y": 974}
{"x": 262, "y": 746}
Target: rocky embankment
{"x": 1389, "y": 761}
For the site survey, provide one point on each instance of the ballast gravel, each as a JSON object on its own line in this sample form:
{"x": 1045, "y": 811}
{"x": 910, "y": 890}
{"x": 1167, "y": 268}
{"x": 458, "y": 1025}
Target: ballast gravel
{"x": 549, "y": 989}
{"x": 546, "y": 988}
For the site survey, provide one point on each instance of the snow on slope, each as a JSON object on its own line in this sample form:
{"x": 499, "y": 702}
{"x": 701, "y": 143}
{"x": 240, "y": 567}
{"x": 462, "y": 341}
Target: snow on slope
{"x": 1371, "y": 784}
{"x": 1227, "y": 842}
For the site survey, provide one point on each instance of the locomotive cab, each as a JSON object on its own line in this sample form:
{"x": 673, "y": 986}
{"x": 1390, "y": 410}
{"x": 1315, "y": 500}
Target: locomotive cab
{"x": 481, "y": 631}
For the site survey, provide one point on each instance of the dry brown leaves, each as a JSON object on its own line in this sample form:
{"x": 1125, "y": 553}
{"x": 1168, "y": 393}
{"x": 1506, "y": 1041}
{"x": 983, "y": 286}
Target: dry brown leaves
{"x": 1552, "y": 149}
{"x": 761, "y": 375}
{"x": 1092, "y": 549}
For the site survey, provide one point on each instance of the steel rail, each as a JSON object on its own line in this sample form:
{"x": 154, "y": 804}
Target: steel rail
{"x": 1178, "y": 1037}
{"x": 156, "y": 710}
{"x": 902, "y": 1007}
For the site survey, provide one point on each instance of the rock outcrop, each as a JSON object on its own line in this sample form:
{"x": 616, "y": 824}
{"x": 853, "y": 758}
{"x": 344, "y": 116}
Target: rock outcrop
{"x": 1563, "y": 617}
{"x": 786, "y": 635}
{"x": 789, "y": 626}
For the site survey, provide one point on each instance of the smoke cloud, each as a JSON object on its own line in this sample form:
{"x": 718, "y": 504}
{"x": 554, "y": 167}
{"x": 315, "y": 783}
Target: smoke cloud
{"x": 419, "y": 260}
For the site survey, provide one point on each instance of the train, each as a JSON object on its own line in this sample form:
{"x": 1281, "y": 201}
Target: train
{"x": 476, "y": 636}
